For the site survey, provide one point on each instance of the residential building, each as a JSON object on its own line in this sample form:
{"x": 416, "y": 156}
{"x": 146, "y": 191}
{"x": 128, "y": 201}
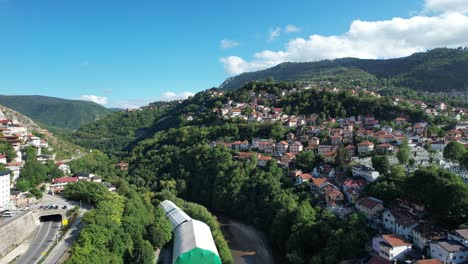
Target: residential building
{"x": 369, "y": 206}
{"x": 322, "y": 149}
{"x": 3, "y": 159}
{"x": 303, "y": 177}
{"x": 448, "y": 251}
{"x": 390, "y": 247}
{"x": 365, "y": 147}
{"x": 399, "y": 222}
{"x": 296, "y": 147}
{"x": 428, "y": 261}
{"x": 4, "y": 187}
{"x": 460, "y": 235}
{"x": 368, "y": 173}
{"x": 423, "y": 234}
{"x": 282, "y": 147}
{"x": 335, "y": 140}
{"x": 438, "y": 145}
{"x": 58, "y": 184}
{"x": 263, "y": 160}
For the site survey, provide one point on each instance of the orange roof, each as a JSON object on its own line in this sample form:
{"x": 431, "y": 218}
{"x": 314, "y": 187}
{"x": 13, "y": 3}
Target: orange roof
{"x": 265, "y": 158}
{"x": 305, "y": 176}
{"x": 318, "y": 181}
{"x": 395, "y": 240}
{"x": 365, "y": 143}
{"x": 384, "y": 145}
{"x": 429, "y": 261}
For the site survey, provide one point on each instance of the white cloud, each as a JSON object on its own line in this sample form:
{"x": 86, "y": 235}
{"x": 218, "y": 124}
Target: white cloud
{"x": 365, "y": 39}
{"x": 274, "y": 33}
{"x": 227, "y": 44}
{"x": 102, "y": 100}
{"x": 169, "y": 96}
{"x": 460, "y": 6}
{"x": 291, "y": 29}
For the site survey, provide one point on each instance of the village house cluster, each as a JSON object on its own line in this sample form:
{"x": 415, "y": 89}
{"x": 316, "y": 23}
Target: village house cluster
{"x": 17, "y": 135}
{"x": 361, "y": 137}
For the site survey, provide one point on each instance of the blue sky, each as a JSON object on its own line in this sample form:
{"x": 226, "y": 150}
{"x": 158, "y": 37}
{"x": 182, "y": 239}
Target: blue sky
{"x": 127, "y": 53}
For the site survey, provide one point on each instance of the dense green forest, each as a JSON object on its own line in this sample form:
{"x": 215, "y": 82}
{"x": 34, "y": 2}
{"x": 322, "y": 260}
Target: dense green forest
{"x": 180, "y": 161}
{"x": 123, "y": 227}
{"x": 55, "y": 112}
{"x": 438, "y": 70}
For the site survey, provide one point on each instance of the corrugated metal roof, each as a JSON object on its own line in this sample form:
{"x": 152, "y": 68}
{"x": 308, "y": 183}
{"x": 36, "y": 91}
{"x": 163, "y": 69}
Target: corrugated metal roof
{"x": 167, "y": 206}
{"x": 191, "y": 235}
{"x": 174, "y": 213}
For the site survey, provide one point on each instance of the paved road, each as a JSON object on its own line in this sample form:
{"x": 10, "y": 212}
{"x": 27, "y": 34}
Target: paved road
{"x": 45, "y": 237}
{"x": 61, "y": 248}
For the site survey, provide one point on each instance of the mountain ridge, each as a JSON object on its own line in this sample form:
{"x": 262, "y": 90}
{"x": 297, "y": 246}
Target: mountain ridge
{"x": 55, "y": 112}
{"x": 436, "y": 70}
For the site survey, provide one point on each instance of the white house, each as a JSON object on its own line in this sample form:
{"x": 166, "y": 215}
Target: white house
{"x": 460, "y": 235}
{"x": 449, "y": 252}
{"x": 4, "y": 187}
{"x": 390, "y": 247}
{"x": 15, "y": 169}
{"x": 438, "y": 145}
{"x": 263, "y": 160}
{"x": 365, "y": 147}
{"x": 282, "y": 147}
{"x": 399, "y": 222}
{"x": 296, "y": 147}
{"x": 369, "y": 174}
{"x": 370, "y": 207}
{"x": 3, "y": 159}
{"x": 303, "y": 177}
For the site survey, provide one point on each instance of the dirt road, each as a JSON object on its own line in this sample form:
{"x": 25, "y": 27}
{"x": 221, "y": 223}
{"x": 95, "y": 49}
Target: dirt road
{"x": 248, "y": 245}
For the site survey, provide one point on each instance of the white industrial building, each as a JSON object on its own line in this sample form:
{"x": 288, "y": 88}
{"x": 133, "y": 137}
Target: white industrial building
{"x": 193, "y": 241}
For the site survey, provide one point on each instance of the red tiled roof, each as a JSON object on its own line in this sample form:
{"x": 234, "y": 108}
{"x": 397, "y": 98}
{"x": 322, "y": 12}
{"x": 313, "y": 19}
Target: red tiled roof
{"x": 65, "y": 179}
{"x": 368, "y": 202}
{"x": 306, "y": 176}
{"x": 384, "y": 145}
{"x": 265, "y": 158}
{"x": 395, "y": 240}
{"x": 318, "y": 181}
{"x": 429, "y": 261}
{"x": 365, "y": 143}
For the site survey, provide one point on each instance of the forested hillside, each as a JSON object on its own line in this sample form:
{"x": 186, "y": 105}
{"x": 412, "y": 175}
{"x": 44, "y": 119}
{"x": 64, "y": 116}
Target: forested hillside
{"x": 55, "y": 112}
{"x": 438, "y": 70}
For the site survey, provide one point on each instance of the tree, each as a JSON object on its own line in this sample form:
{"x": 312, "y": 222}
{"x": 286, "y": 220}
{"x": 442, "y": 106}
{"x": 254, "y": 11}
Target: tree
{"x": 342, "y": 156}
{"x": 464, "y": 160}
{"x": 381, "y": 164}
{"x": 403, "y": 153}
{"x": 247, "y": 110}
{"x": 305, "y": 160}
{"x": 397, "y": 172}
{"x": 454, "y": 151}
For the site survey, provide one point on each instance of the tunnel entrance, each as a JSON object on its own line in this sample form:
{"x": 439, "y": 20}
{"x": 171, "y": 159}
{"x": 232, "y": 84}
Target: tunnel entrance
{"x": 51, "y": 218}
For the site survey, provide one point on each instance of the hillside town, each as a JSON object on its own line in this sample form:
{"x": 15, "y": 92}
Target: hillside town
{"x": 16, "y": 141}
{"x": 346, "y": 148}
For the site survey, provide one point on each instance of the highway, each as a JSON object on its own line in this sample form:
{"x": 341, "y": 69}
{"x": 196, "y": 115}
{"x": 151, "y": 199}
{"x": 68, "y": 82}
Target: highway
{"x": 44, "y": 238}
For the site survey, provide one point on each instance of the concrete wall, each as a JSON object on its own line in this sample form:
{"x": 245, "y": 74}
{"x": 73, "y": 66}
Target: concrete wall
{"x": 15, "y": 232}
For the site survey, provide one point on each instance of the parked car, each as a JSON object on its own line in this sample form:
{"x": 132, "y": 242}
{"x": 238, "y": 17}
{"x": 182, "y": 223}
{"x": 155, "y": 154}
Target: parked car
{"x": 8, "y": 214}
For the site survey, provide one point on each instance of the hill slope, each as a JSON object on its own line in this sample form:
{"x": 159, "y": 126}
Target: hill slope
{"x": 55, "y": 112}
{"x": 64, "y": 149}
{"x": 433, "y": 71}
